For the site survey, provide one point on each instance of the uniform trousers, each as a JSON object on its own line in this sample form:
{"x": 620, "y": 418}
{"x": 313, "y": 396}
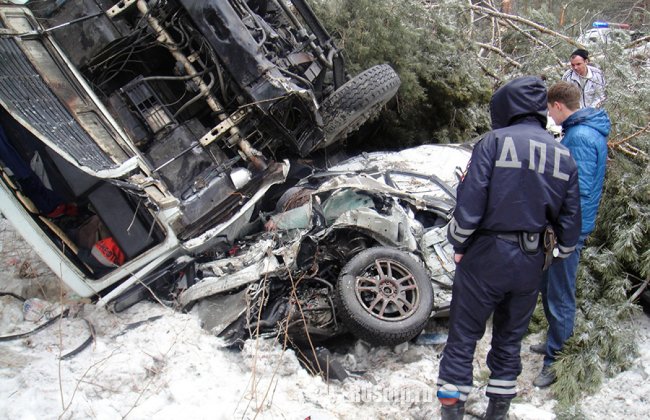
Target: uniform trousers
{"x": 494, "y": 277}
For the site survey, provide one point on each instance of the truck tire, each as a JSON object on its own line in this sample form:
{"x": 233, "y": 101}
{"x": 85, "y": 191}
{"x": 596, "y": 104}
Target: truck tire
{"x": 357, "y": 101}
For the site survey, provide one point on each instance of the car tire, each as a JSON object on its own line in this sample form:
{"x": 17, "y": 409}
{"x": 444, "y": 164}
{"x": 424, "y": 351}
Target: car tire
{"x": 384, "y": 296}
{"x": 357, "y": 101}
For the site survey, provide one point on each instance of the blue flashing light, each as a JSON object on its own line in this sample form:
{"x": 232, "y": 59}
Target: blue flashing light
{"x": 599, "y": 24}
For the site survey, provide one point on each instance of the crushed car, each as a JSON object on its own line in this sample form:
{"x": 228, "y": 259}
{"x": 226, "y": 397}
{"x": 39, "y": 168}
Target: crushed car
{"x": 361, "y": 248}
{"x": 138, "y": 136}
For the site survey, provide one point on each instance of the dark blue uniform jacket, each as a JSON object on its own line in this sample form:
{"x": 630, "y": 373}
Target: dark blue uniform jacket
{"x": 519, "y": 177}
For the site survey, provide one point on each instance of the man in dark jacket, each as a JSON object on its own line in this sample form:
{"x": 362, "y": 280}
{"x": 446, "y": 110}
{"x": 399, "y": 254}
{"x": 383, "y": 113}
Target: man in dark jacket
{"x": 519, "y": 181}
{"x": 585, "y": 135}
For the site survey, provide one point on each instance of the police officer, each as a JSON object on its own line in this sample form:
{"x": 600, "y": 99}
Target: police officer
{"x": 519, "y": 181}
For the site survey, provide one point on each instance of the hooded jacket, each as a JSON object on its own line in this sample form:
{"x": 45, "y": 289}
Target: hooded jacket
{"x": 519, "y": 178}
{"x": 585, "y": 135}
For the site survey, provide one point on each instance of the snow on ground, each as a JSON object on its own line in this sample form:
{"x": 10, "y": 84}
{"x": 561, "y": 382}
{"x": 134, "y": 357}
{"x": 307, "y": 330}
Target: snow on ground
{"x": 168, "y": 367}
{"x": 627, "y": 395}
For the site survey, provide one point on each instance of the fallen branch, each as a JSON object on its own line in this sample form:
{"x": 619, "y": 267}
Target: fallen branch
{"x": 630, "y": 150}
{"x": 530, "y": 23}
{"x": 471, "y": 19}
{"x": 81, "y": 380}
{"x": 154, "y": 373}
{"x": 496, "y": 32}
{"x": 638, "y": 41}
{"x": 499, "y": 52}
{"x": 252, "y": 381}
{"x": 537, "y": 41}
{"x": 640, "y": 290}
{"x": 550, "y": 49}
{"x": 488, "y": 72}
{"x": 614, "y": 143}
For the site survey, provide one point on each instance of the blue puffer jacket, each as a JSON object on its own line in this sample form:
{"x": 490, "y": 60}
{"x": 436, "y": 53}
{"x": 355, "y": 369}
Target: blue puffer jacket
{"x": 585, "y": 134}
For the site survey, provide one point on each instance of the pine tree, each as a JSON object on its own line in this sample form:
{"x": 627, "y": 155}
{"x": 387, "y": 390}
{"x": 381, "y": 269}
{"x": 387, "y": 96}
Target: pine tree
{"x": 443, "y": 94}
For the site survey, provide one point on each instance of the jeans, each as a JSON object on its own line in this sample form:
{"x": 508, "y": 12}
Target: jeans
{"x": 559, "y": 300}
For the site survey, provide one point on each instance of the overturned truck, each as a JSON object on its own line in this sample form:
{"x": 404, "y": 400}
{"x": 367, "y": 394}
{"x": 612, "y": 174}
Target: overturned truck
{"x": 163, "y": 127}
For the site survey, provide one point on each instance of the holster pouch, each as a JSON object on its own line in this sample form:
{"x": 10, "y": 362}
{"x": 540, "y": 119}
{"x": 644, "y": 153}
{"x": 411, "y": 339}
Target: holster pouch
{"x": 529, "y": 242}
{"x": 550, "y": 241}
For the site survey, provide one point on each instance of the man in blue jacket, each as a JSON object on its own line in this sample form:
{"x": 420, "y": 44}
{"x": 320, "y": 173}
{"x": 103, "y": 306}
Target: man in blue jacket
{"x": 585, "y": 135}
{"x": 519, "y": 182}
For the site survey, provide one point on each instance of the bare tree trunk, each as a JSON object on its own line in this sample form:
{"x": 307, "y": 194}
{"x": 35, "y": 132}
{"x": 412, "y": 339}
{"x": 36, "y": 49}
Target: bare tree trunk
{"x": 506, "y": 6}
{"x": 562, "y": 14}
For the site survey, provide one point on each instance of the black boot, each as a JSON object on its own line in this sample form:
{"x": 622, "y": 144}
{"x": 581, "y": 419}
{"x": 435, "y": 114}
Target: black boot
{"x": 452, "y": 412}
{"x": 497, "y": 409}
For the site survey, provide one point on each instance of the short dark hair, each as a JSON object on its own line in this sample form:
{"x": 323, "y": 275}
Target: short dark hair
{"x": 580, "y": 53}
{"x": 566, "y": 93}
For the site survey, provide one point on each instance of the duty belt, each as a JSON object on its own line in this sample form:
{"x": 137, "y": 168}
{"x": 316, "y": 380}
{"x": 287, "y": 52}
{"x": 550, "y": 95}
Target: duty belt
{"x": 529, "y": 242}
{"x": 509, "y": 236}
